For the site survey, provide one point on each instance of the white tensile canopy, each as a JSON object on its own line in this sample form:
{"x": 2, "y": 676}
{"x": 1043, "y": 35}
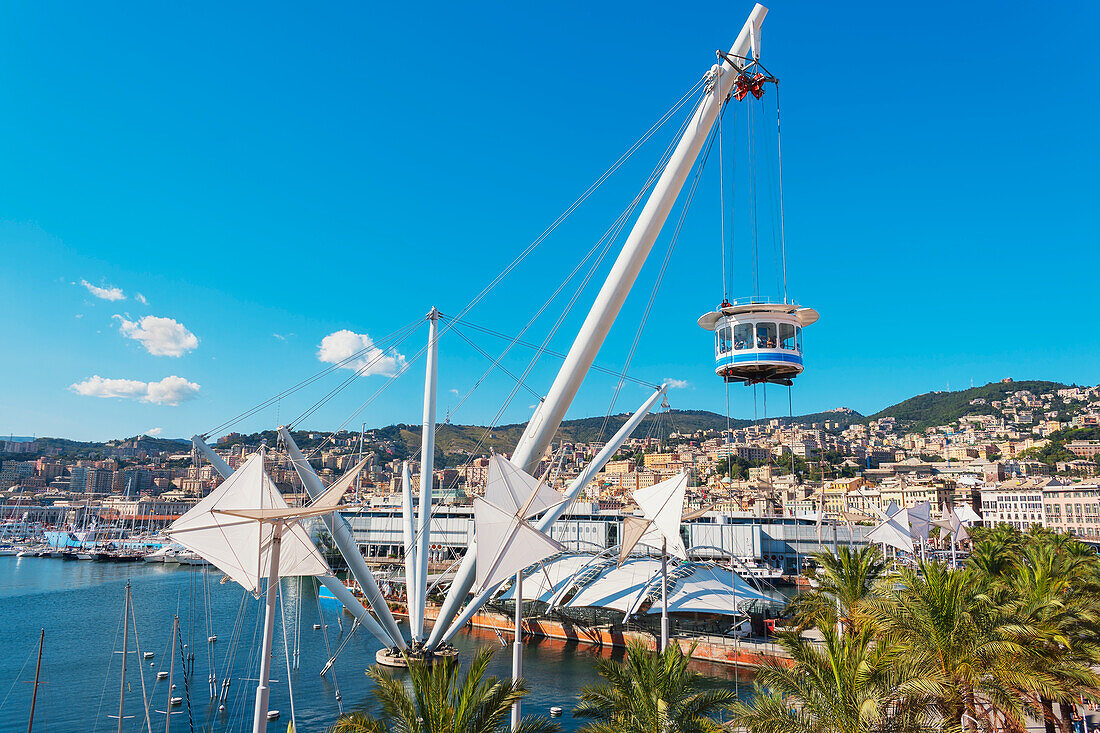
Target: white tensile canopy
{"x": 920, "y": 521}
{"x": 894, "y": 532}
{"x": 547, "y": 578}
{"x": 506, "y": 542}
{"x": 512, "y": 489}
{"x": 966, "y": 514}
{"x": 662, "y": 506}
{"x": 709, "y": 589}
{"x": 618, "y": 586}
{"x": 225, "y": 528}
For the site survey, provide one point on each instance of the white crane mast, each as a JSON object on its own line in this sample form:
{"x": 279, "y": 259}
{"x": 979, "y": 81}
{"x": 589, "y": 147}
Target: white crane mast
{"x": 550, "y": 412}
{"x": 548, "y": 415}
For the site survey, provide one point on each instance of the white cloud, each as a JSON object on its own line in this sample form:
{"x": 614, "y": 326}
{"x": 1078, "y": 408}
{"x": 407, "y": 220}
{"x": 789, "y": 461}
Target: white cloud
{"x": 168, "y": 391}
{"x": 154, "y": 432}
{"x": 677, "y": 383}
{"x": 369, "y": 359}
{"x": 108, "y": 293}
{"x": 159, "y": 336}
{"x": 453, "y": 391}
{"x": 141, "y": 299}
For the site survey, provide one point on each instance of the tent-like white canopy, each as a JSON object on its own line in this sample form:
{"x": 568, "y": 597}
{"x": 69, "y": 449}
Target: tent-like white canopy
{"x": 541, "y": 582}
{"x": 618, "y": 587}
{"x": 219, "y": 528}
{"x": 506, "y": 542}
{"x": 894, "y": 532}
{"x": 708, "y": 589}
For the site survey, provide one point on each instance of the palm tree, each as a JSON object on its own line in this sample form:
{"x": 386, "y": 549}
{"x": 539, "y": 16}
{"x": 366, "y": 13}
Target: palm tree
{"x": 442, "y": 701}
{"x": 845, "y": 684}
{"x": 652, "y": 693}
{"x": 967, "y": 652}
{"x": 1051, "y": 590}
{"x": 845, "y": 581}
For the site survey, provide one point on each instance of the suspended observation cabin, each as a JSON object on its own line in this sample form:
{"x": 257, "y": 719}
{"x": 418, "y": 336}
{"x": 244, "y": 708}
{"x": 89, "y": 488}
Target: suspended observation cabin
{"x": 757, "y": 339}
{"x": 758, "y": 342}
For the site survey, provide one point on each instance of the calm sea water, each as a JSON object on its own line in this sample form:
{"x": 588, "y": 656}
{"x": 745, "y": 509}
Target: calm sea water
{"x": 79, "y": 604}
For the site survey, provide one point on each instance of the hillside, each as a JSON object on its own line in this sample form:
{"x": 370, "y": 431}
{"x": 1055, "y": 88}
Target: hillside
{"x": 463, "y": 440}
{"x": 940, "y": 408}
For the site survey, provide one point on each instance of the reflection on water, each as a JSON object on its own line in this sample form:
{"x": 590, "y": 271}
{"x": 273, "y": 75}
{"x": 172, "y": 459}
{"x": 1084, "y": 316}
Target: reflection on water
{"x": 79, "y": 604}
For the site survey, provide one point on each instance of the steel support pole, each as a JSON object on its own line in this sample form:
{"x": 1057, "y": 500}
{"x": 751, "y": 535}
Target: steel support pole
{"x": 408, "y": 535}
{"x": 388, "y": 633}
{"x": 517, "y": 650}
{"x": 259, "y": 719}
{"x": 446, "y": 626}
{"x": 664, "y": 595}
{"x": 427, "y": 474}
{"x": 208, "y": 453}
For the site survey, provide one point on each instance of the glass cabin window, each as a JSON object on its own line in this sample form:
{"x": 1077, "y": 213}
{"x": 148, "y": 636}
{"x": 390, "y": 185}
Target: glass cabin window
{"x": 723, "y": 339}
{"x": 786, "y": 336}
{"x": 765, "y": 336}
{"x": 742, "y": 336}
{"x": 798, "y": 338}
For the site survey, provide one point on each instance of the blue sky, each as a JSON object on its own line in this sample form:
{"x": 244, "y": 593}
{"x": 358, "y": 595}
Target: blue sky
{"x": 266, "y": 175}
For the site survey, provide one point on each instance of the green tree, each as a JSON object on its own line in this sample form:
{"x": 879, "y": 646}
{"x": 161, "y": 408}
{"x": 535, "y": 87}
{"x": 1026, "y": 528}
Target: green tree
{"x": 440, "y": 700}
{"x": 845, "y": 684}
{"x": 1053, "y": 591}
{"x": 969, "y": 651}
{"x": 845, "y": 581}
{"x": 652, "y": 693}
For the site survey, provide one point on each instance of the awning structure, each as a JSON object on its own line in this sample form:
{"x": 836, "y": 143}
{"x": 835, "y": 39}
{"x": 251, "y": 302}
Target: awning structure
{"x": 618, "y": 587}
{"x": 541, "y": 582}
{"x": 708, "y": 589}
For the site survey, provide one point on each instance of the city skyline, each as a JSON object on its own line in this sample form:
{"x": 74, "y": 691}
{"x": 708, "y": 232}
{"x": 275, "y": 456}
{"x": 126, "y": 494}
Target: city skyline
{"x": 196, "y": 220}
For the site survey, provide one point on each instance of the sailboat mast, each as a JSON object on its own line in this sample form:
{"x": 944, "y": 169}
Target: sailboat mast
{"x": 171, "y": 674}
{"x": 37, "y": 673}
{"x": 427, "y": 471}
{"x": 125, "y": 651}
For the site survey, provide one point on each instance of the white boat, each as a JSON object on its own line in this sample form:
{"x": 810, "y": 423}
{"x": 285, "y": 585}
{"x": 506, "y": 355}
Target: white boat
{"x": 7, "y": 550}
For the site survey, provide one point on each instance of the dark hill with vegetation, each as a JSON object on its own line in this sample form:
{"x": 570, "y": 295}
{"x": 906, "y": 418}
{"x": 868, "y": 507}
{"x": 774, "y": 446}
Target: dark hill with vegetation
{"x": 940, "y": 408}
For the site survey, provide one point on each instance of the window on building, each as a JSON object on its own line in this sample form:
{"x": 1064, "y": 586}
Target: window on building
{"x": 798, "y": 338}
{"x": 786, "y": 336}
{"x": 742, "y": 336}
{"x": 765, "y": 336}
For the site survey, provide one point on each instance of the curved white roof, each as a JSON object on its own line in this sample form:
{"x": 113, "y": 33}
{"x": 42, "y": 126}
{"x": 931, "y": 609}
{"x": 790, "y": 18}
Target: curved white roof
{"x": 544, "y": 580}
{"x": 805, "y": 316}
{"x": 708, "y": 589}
{"x": 618, "y": 587}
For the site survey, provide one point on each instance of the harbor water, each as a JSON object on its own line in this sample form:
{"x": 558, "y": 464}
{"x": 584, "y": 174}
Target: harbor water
{"x": 79, "y": 604}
